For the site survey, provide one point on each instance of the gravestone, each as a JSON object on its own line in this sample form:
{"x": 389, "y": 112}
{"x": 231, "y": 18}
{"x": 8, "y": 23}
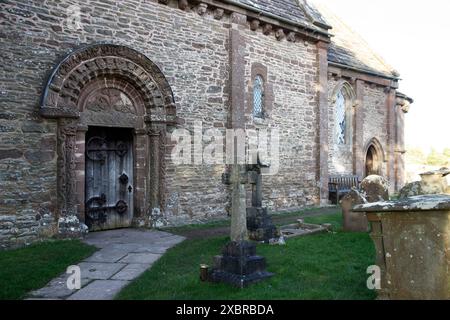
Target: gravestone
{"x": 239, "y": 265}
{"x": 373, "y": 189}
{"x": 432, "y": 182}
{"x": 259, "y": 223}
{"x": 410, "y": 190}
{"x": 354, "y": 221}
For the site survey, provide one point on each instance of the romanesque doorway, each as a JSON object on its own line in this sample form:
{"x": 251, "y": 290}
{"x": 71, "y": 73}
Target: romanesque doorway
{"x": 373, "y": 163}
{"x": 109, "y": 178}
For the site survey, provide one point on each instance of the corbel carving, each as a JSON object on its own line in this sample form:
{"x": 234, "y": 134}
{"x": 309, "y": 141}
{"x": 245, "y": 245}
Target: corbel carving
{"x": 154, "y": 132}
{"x": 201, "y": 8}
{"x": 267, "y": 29}
{"x": 254, "y": 24}
{"x": 183, "y": 4}
{"x": 403, "y": 104}
{"x": 291, "y": 37}
{"x": 279, "y": 34}
{"x": 219, "y": 13}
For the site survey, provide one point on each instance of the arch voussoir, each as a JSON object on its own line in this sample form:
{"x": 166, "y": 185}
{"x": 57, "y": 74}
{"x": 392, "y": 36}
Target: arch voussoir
{"x": 82, "y": 66}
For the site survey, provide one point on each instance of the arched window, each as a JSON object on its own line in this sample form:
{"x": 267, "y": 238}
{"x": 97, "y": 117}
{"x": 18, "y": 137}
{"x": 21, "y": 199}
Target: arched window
{"x": 258, "y": 97}
{"x": 343, "y": 103}
{"x": 341, "y": 118}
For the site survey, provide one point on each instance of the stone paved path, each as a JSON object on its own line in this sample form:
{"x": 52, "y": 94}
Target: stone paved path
{"x": 124, "y": 255}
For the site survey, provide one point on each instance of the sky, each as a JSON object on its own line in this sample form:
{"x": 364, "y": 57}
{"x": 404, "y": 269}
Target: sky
{"x": 412, "y": 36}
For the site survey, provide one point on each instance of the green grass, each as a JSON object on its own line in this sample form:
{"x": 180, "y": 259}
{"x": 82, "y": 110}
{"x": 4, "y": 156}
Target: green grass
{"x": 324, "y": 266}
{"x": 334, "y": 219}
{"x": 202, "y": 226}
{"x": 226, "y": 222}
{"x": 30, "y": 268}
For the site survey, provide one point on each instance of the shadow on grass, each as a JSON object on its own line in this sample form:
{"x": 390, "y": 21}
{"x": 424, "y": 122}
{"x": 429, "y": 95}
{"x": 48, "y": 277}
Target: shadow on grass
{"x": 325, "y": 266}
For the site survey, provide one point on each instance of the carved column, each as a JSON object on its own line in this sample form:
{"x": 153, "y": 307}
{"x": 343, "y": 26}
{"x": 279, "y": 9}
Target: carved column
{"x": 67, "y": 132}
{"x": 322, "y": 172}
{"x": 68, "y": 223}
{"x": 155, "y": 161}
{"x": 141, "y": 182}
{"x": 80, "y": 184}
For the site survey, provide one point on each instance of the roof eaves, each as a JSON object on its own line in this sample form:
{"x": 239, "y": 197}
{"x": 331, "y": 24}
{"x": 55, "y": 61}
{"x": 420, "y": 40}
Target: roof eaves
{"x": 310, "y": 27}
{"x": 363, "y": 70}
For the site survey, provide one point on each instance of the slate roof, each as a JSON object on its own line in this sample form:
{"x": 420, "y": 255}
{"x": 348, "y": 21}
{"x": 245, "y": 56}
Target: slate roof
{"x": 347, "y": 47}
{"x": 350, "y": 49}
{"x": 296, "y": 11}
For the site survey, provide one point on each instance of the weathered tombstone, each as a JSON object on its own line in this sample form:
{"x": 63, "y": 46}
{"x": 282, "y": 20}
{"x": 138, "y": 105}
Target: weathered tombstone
{"x": 435, "y": 182}
{"x": 354, "y": 221}
{"x": 259, "y": 223}
{"x": 411, "y": 238}
{"x": 432, "y": 182}
{"x": 372, "y": 189}
{"x": 375, "y": 188}
{"x": 239, "y": 265}
{"x": 410, "y": 190}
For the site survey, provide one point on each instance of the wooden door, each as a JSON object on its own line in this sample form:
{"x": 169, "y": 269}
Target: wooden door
{"x": 109, "y": 178}
{"x": 372, "y": 162}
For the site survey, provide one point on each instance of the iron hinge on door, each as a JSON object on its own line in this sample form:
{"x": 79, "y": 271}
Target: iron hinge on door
{"x": 98, "y": 213}
{"x": 97, "y": 149}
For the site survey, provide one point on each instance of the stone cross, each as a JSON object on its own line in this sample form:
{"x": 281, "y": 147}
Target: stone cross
{"x": 259, "y": 222}
{"x": 238, "y": 180}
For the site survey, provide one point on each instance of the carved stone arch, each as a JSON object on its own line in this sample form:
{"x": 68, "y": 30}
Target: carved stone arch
{"x": 348, "y": 91}
{"x": 374, "y": 152}
{"x": 112, "y": 86}
{"x": 75, "y": 71}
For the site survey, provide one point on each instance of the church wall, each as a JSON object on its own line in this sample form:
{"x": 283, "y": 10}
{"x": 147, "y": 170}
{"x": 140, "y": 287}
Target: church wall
{"x": 292, "y": 72}
{"x": 375, "y": 125}
{"x": 191, "y": 50}
{"x": 375, "y": 117}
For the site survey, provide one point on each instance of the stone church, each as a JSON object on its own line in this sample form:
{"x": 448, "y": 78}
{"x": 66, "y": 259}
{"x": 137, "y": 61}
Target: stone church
{"x": 91, "y": 90}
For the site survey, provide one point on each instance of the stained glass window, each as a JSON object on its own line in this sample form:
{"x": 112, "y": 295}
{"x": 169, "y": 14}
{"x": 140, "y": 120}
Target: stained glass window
{"x": 258, "y": 97}
{"x": 340, "y": 118}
